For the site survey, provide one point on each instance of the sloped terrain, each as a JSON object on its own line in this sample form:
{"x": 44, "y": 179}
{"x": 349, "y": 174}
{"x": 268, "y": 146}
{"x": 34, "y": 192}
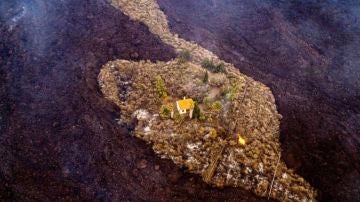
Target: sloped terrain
{"x": 59, "y": 137}
{"x": 227, "y": 106}
{"x": 307, "y": 53}
{"x": 148, "y": 12}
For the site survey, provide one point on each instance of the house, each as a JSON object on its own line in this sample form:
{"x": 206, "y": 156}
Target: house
{"x": 185, "y": 105}
{"x": 242, "y": 141}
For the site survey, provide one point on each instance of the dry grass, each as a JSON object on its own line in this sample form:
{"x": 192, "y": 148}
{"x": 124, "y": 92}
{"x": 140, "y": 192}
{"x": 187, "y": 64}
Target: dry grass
{"x": 195, "y": 143}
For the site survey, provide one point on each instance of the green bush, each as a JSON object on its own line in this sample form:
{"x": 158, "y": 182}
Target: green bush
{"x": 184, "y": 56}
{"x": 197, "y": 111}
{"x": 216, "y": 106}
{"x": 202, "y": 117}
{"x": 231, "y": 92}
{"x": 206, "y": 101}
{"x": 212, "y": 67}
{"x": 160, "y": 87}
{"x": 165, "y": 111}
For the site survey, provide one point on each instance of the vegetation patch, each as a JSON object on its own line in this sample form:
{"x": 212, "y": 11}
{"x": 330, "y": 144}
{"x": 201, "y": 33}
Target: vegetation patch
{"x": 227, "y": 131}
{"x": 184, "y": 56}
{"x": 211, "y": 66}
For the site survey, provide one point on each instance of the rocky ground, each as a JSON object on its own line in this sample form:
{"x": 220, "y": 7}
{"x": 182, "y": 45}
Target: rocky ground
{"x": 307, "y": 53}
{"x": 207, "y": 143}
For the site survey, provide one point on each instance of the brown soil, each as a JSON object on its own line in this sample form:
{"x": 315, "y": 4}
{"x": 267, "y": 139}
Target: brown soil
{"x": 303, "y": 50}
{"x": 59, "y": 138}
{"x": 206, "y": 146}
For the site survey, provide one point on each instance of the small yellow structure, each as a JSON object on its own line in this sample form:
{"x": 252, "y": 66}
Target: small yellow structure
{"x": 184, "y": 105}
{"x": 241, "y": 140}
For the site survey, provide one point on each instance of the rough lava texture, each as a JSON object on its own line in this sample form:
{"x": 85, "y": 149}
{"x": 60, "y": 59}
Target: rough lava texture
{"x": 59, "y": 138}
{"x": 307, "y": 52}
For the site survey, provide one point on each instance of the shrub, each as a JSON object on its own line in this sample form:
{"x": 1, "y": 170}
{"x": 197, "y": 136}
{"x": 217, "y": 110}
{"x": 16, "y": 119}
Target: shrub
{"x": 213, "y": 133}
{"x": 184, "y": 56}
{"x": 231, "y": 92}
{"x": 160, "y": 87}
{"x": 198, "y": 114}
{"x": 217, "y": 80}
{"x": 216, "y": 106}
{"x": 197, "y": 111}
{"x": 165, "y": 111}
{"x": 212, "y": 67}
{"x": 206, "y": 100}
{"x": 202, "y": 117}
{"x": 221, "y": 68}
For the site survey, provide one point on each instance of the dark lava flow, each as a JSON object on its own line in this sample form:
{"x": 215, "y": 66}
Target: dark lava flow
{"x": 308, "y": 52}
{"x": 59, "y": 139}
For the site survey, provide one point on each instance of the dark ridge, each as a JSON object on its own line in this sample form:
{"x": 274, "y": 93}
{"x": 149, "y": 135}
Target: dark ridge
{"x": 308, "y": 53}
{"x": 59, "y": 138}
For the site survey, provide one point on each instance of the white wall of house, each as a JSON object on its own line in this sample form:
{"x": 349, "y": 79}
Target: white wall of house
{"x": 180, "y": 110}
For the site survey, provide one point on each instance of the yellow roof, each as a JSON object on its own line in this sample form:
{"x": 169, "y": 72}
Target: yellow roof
{"x": 186, "y": 104}
{"x": 242, "y": 141}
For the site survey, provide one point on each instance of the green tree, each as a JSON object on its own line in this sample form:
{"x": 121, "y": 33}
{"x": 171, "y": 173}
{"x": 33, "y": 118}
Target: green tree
{"x": 206, "y": 77}
{"x": 160, "y": 87}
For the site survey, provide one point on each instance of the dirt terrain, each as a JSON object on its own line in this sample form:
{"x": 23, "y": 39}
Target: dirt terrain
{"x": 59, "y": 137}
{"x": 307, "y": 53}
{"x": 206, "y": 142}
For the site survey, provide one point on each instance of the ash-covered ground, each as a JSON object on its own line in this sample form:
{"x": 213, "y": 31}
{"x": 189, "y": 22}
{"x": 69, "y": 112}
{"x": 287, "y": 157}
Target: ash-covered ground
{"x": 59, "y": 138}
{"x": 307, "y": 52}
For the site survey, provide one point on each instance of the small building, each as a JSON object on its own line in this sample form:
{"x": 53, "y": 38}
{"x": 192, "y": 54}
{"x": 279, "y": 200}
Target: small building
{"x": 185, "y": 105}
{"x": 241, "y": 140}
